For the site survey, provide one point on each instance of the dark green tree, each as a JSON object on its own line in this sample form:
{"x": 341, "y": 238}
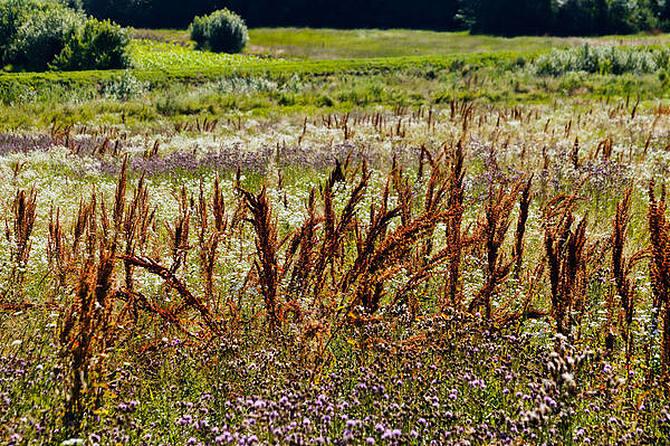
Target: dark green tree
{"x": 501, "y": 17}
{"x": 582, "y": 17}
{"x": 434, "y": 14}
{"x": 511, "y": 17}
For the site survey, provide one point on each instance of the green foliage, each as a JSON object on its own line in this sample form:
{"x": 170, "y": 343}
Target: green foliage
{"x": 96, "y": 45}
{"x": 647, "y": 16}
{"x": 42, "y": 37}
{"x": 593, "y": 17}
{"x": 385, "y": 14}
{"x": 74, "y": 4}
{"x": 511, "y": 17}
{"x": 604, "y": 60}
{"x": 124, "y": 88}
{"x": 566, "y": 17}
{"x": 39, "y": 34}
{"x": 222, "y": 31}
{"x": 12, "y": 13}
{"x": 502, "y": 17}
{"x": 162, "y": 56}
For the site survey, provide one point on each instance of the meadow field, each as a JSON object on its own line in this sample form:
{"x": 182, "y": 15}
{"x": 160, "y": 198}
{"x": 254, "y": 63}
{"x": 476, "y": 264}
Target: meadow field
{"x": 339, "y": 237}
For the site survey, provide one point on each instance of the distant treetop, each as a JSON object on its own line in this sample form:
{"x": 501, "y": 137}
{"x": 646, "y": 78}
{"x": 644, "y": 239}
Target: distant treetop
{"x": 501, "y": 17}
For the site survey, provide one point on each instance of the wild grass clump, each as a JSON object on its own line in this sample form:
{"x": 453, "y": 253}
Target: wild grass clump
{"x": 124, "y": 88}
{"x": 603, "y": 60}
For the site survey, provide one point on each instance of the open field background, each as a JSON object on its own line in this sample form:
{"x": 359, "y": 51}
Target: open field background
{"x": 170, "y": 80}
{"x": 338, "y": 44}
{"x": 341, "y": 237}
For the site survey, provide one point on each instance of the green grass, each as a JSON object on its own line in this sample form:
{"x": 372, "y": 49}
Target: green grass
{"x": 163, "y": 57}
{"x": 163, "y": 99}
{"x": 382, "y": 69}
{"x": 163, "y": 64}
{"x": 338, "y": 44}
{"x": 319, "y": 44}
{"x": 179, "y": 59}
{"x": 150, "y": 55}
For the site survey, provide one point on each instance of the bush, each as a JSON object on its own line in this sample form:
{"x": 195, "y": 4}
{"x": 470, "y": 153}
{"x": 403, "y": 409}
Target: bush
{"x": 11, "y": 15}
{"x": 124, "y": 88}
{"x": 97, "y": 45}
{"x": 39, "y": 34}
{"x": 42, "y": 35}
{"x": 31, "y": 30}
{"x": 603, "y": 60}
{"x": 222, "y": 31}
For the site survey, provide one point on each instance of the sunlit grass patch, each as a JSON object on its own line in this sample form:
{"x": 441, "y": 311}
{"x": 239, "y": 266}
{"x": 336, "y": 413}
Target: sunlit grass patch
{"x": 156, "y": 55}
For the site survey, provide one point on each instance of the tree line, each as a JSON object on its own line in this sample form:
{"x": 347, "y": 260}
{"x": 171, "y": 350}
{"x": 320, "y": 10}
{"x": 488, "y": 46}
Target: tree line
{"x": 501, "y": 17}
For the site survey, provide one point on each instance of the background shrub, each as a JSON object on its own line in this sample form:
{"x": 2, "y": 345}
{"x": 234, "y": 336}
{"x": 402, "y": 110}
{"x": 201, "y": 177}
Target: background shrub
{"x": 222, "y": 31}
{"x": 603, "y": 60}
{"x": 42, "y": 34}
{"x": 97, "y": 45}
{"x": 11, "y": 13}
{"x": 124, "y": 88}
{"x": 27, "y": 23}
{"x": 39, "y": 34}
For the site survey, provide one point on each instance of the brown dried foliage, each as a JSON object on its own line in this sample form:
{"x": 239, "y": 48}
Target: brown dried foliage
{"x": 18, "y": 233}
{"x": 622, "y": 270}
{"x": 567, "y": 257}
{"x": 494, "y": 227}
{"x": 456, "y": 195}
{"x": 659, "y": 230}
{"x": 267, "y": 245}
